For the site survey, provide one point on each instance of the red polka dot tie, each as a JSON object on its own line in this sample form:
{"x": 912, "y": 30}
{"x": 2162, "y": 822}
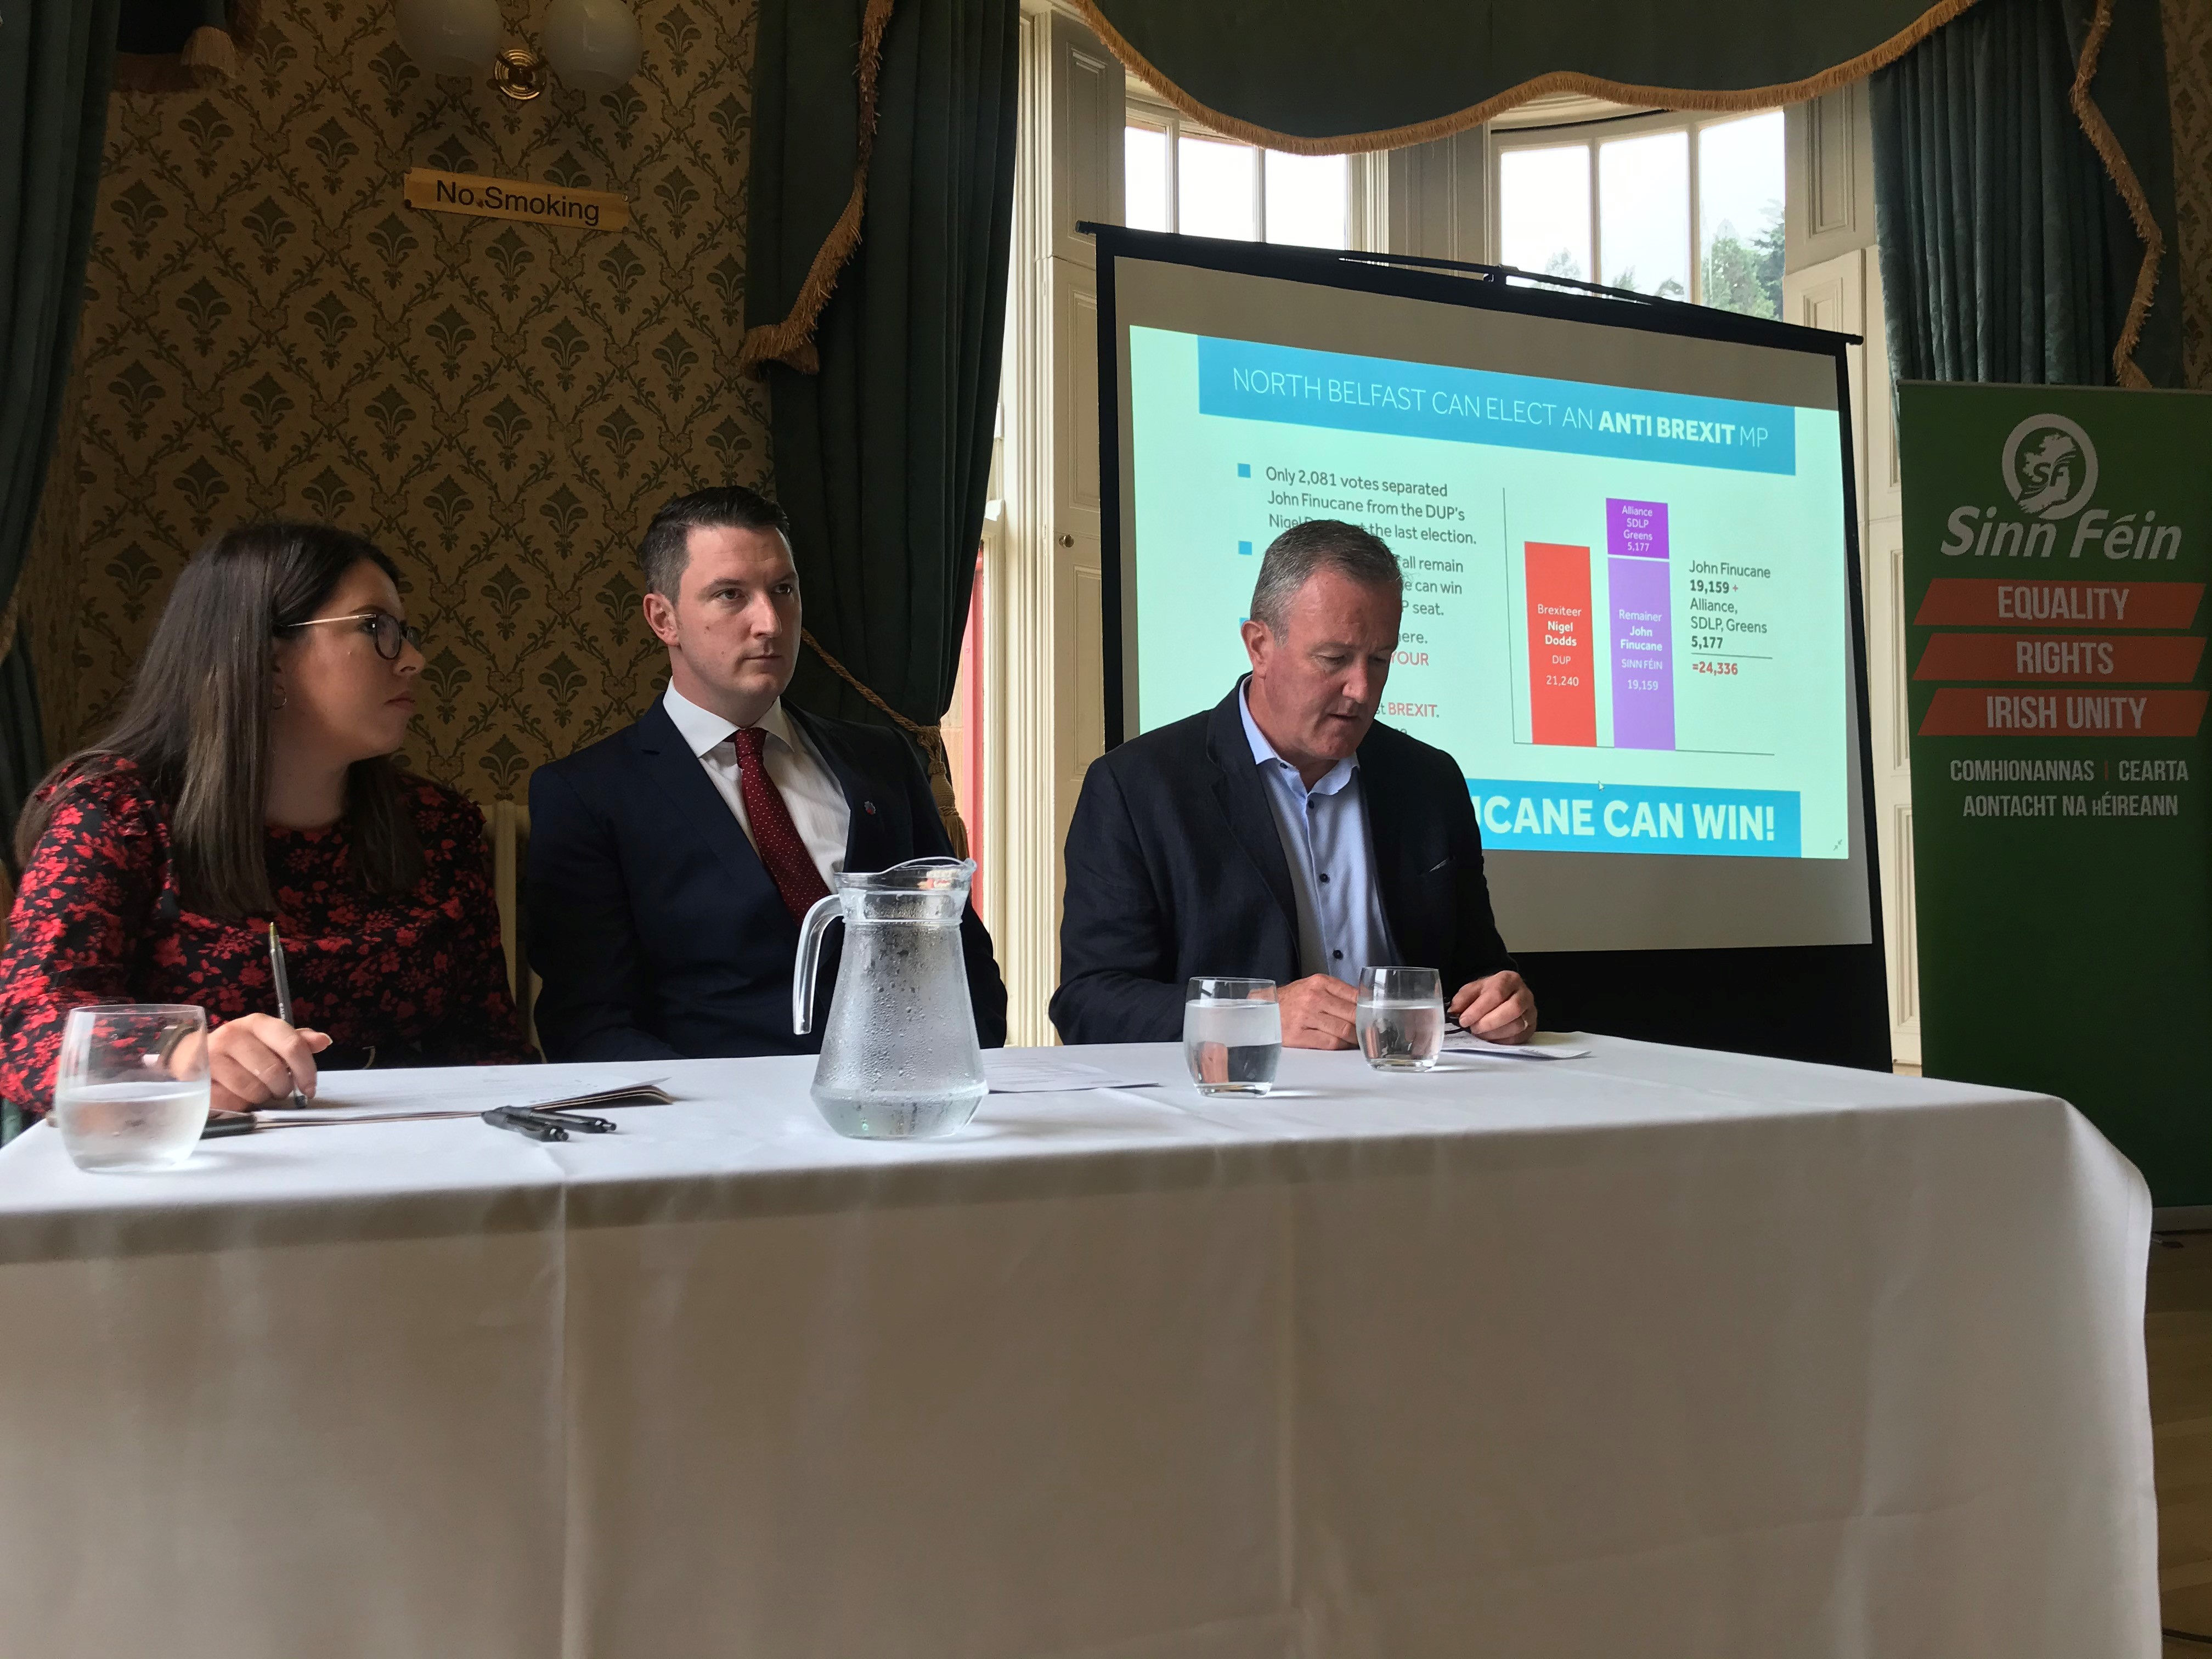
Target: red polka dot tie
{"x": 776, "y": 837}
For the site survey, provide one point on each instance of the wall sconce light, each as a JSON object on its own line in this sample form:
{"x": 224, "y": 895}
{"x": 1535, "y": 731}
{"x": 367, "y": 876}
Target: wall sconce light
{"x": 450, "y": 37}
{"x": 594, "y": 44}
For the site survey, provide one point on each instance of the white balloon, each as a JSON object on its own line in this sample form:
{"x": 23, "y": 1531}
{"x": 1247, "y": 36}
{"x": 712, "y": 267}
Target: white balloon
{"x": 450, "y": 37}
{"x": 594, "y": 44}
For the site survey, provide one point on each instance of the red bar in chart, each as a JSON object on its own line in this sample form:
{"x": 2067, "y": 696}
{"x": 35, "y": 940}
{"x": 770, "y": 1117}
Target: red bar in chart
{"x": 1562, "y": 690}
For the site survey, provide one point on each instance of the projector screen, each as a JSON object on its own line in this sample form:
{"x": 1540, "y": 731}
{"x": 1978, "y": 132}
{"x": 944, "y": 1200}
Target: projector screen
{"x": 1627, "y": 537}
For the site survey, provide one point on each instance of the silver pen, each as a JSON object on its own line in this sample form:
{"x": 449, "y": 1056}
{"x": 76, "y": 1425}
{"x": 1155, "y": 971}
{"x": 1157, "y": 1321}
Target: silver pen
{"x": 283, "y": 995}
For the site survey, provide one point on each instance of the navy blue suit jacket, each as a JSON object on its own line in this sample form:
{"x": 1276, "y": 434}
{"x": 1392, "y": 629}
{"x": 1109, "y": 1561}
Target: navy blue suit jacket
{"x": 1175, "y": 869}
{"x": 658, "y": 931}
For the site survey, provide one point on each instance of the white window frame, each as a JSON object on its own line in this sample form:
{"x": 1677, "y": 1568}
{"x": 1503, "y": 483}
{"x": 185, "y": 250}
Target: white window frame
{"x": 1140, "y": 111}
{"x": 1590, "y": 134}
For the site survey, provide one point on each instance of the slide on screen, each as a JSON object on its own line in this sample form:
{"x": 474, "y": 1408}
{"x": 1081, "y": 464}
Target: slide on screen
{"x": 1624, "y": 606}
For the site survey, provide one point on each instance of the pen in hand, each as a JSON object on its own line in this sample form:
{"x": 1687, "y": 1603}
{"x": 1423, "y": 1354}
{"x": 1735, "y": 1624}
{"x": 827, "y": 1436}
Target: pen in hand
{"x": 283, "y": 995}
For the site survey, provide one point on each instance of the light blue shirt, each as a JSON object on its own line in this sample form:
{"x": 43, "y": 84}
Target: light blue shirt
{"x": 1341, "y": 927}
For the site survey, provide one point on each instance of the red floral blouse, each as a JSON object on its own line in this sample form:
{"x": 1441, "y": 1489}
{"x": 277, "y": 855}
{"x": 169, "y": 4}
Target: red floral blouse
{"x": 417, "y": 981}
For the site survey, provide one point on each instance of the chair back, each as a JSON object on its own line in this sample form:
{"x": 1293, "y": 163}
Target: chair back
{"x": 508, "y": 823}
{"x": 11, "y": 1114}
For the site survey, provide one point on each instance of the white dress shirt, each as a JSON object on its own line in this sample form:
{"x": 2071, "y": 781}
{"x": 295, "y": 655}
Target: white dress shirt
{"x": 819, "y": 811}
{"x": 1331, "y": 853}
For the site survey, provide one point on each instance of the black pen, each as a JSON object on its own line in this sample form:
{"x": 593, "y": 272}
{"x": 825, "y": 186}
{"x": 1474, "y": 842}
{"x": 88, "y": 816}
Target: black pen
{"x": 594, "y": 1126}
{"x": 538, "y": 1129}
{"x": 283, "y": 996}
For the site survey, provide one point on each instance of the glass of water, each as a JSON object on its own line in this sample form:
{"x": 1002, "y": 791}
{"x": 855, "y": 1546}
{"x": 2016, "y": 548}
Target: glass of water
{"x": 1232, "y": 1035}
{"x": 130, "y": 1092}
{"x": 1400, "y": 1016}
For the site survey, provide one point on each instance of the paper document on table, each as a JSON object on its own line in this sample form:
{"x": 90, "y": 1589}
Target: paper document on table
{"x": 389, "y": 1096}
{"x": 1548, "y": 1045}
{"x": 1020, "y": 1074}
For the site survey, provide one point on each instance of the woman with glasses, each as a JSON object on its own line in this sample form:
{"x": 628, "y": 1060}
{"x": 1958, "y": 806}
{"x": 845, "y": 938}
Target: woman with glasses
{"x": 251, "y": 780}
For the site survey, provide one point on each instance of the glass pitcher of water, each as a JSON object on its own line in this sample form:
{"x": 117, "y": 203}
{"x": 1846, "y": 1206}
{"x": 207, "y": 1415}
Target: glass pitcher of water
{"x": 899, "y": 1056}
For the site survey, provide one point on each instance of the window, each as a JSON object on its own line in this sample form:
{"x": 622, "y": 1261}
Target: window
{"x": 1685, "y": 207}
{"x": 1740, "y": 214}
{"x": 1544, "y": 209}
{"x": 963, "y": 727}
{"x": 1179, "y": 177}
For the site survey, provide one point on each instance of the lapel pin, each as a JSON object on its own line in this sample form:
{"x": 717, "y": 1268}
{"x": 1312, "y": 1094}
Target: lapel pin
{"x": 869, "y": 807}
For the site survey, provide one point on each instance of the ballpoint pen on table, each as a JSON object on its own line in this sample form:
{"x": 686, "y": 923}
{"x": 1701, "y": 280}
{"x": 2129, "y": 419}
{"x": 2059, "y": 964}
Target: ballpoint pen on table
{"x": 283, "y": 996}
{"x": 524, "y": 1123}
{"x": 545, "y": 1125}
{"x": 592, "y": 1125}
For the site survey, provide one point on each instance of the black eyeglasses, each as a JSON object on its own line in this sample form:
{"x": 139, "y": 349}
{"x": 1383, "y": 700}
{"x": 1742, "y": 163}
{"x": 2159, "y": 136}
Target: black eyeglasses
{"x": 387, "y": 630}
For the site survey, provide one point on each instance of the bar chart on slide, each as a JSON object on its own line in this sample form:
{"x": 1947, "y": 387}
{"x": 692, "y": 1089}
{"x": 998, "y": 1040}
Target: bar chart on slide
{"x": 1613, "y": 623}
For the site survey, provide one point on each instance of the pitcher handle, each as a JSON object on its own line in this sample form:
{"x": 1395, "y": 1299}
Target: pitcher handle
{"x": 827, "y": 910}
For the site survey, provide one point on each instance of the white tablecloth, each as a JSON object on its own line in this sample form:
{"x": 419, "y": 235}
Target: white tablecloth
{"x": 1654, "y": 1354}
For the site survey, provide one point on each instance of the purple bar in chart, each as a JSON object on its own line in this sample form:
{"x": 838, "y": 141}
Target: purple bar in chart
{"x": 1642, "y": 613}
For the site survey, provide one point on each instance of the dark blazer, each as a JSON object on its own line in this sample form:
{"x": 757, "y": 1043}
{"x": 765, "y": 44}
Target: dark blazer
{"x": 659, "y": 931}
{"x": 1174, "y": 869}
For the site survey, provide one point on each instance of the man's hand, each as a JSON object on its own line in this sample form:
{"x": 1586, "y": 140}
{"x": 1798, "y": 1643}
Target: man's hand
{"x": 1317, "y": 1012}
{"x": 259, "y": 1058}
{"x": 1499, "y": 1009}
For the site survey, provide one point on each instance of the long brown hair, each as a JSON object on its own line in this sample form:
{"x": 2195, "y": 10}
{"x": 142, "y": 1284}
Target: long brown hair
{"x": 196, "y": 723}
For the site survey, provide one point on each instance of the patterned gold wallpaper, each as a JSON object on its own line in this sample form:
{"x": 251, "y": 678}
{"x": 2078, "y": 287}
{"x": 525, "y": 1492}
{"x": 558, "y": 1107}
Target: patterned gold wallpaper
{"x": 2188, "y": 79}
{"x": 270, "y": 330}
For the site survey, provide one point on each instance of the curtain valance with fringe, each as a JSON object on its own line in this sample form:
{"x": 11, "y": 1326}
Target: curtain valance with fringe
{"x": 1319, "y": 76}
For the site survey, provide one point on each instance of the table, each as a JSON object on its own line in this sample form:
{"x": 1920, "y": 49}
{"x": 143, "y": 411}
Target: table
{"x": 1656, "y": 1352}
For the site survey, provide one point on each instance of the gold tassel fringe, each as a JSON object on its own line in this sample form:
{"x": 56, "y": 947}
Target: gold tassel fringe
{"x": 2107, "y": 144}
{"x": 209, "y": 55}
{"x": 791, "y": 342}
{"x": 210, "y": 52}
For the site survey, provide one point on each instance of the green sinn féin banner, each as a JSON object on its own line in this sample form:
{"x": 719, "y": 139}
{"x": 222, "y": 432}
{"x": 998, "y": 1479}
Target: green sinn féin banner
{"x": 2057, "y": 541}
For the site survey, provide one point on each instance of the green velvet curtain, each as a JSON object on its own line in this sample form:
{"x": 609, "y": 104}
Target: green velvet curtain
{"x": 2007, "y": 253}
{"x": 883, "y": 457}
{"x": 56, "y": 60}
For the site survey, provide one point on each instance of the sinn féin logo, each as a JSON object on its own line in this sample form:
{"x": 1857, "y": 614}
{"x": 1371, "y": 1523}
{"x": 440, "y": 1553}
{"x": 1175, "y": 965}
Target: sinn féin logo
{"x": 2050, "y": 466}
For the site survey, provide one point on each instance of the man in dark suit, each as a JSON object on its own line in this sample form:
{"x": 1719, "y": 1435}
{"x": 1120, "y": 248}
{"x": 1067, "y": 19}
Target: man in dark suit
{"x": 1284, "y": 834}
{"x": 671, "y": 864}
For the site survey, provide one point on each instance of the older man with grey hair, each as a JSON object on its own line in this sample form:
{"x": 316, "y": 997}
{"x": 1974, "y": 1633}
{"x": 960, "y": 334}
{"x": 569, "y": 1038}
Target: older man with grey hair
{"x": 1284, "y": 835}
